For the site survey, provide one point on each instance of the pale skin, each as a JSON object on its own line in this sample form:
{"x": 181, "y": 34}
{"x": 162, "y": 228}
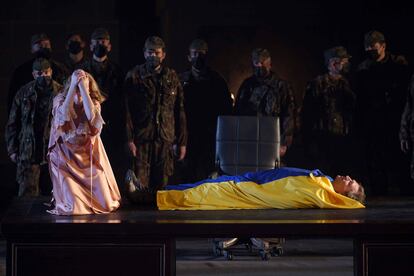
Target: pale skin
{"x": 79, "y": 92}
{"x": 345, "y": 184}
{"x": 179, "y": 150}
{"x": 35, "y": 73}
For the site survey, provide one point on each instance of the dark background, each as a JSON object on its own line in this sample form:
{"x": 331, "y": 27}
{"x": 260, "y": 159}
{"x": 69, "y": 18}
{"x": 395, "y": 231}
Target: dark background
{"x": 296, "y": 32}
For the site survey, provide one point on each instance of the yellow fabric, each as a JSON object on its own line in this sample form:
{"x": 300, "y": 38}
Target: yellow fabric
{"x": 287, "y": 193}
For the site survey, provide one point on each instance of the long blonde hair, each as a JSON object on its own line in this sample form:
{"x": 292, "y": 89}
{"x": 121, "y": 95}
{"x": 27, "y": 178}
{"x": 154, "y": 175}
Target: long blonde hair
{"x": 94, "y": 91}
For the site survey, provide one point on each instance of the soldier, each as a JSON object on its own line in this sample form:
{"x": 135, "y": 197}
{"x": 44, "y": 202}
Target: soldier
{"x": 265, "y": 94}
{"x": 109, "y": 78}
{"x": 382, "y": 81}
{"x": 155, "y": 102}
{"x": 407, "y": 133}
{"x": 28, "y": 127}
{"x": 327, "y": 113}
{"x": 76, "y": 58}
{"x": 40, "y": 47}
{"x": 206, "y": 97}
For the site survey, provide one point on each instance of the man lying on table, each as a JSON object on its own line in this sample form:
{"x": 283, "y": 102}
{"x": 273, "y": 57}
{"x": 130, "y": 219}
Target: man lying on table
{"x": 282, "y": 188}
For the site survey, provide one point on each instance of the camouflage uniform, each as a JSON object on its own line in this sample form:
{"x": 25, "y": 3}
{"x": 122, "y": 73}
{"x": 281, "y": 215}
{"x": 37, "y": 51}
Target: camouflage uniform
{"x": 327, "y": 123}
{"x": 407, "y": 125}
{"x": 206, "y": 97}
{"x": 27, "y": 135}
{"x": 268, "y": 97}
{"x": 157, "y": 121}
{"x": 381, "y": 90}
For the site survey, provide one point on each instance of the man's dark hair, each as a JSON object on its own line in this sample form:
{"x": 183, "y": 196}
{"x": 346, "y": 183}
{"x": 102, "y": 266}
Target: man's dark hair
{"x": 154, "y": 42}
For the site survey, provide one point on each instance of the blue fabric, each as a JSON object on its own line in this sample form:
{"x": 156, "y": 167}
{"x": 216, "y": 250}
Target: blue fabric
{"x": 260, "y": 177}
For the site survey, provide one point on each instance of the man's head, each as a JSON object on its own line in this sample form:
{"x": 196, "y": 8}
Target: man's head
{"x": 337, "y": 60}
{"x": 42, "y": 72}
{"x": 100, "y": 43}
{"x": 75, "y": 43}
{"x": 197, "y": 55}
{"x": 262, "y": 62}
{"x": 41, "y": 46}
{"x": 154, "y": 52}
{"x": 374, "y": 44}
{"x": 347, "y": 186}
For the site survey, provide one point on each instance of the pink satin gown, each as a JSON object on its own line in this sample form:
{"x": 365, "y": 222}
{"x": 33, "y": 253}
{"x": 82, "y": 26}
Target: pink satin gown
{"x": 83, "y": 181}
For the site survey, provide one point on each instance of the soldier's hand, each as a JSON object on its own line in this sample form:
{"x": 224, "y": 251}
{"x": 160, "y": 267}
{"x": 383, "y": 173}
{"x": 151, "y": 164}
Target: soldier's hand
{"x": 282, "y": 150}
{"x": 405, "y": 146}
{"x": 183, "y": 151}
{"x": 13, "y": 157}
{"x": 132, "y": 148}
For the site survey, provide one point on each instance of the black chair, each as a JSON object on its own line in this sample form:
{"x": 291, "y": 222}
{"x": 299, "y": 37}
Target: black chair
{"x": 246, "y": 144}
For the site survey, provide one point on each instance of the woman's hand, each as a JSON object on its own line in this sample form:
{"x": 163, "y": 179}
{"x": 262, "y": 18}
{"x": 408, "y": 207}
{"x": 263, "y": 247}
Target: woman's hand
{"x": 83, "y": 79}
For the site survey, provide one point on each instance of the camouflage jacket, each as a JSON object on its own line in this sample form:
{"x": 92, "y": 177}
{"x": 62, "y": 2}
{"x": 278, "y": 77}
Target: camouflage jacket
{"x": 407, "y": 122}
{"x": 328, "y": 107}
{"x": 269, "y": 97}
{"x": 155, "y": 106}
{"x": 20, "y": 134}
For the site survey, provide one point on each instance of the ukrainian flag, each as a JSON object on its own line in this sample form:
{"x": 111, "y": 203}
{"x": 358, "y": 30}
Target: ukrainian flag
{"x": 283, "y": 188}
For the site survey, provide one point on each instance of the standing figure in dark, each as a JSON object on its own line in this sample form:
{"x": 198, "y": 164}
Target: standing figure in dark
{"x": 109, "y": 77}
{"x": 327, "y": 115}
{"x": 382, "y": 81}
{"x": 407, "y": 133}
{"x": 206, "y": 97}
{"x": 28, "y": 127}
{"x": 76, "y": 57}
{"x": 40, "y": 47}
{"x": 265, "y": 94}
{"x": 155, "y": 102}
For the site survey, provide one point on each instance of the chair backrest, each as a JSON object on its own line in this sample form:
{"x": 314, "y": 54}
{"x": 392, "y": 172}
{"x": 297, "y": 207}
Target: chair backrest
{"x": 247, "y": 143}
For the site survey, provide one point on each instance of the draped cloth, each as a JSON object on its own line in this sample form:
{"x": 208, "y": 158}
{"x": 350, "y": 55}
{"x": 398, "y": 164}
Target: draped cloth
{"x": 82, "y": 177}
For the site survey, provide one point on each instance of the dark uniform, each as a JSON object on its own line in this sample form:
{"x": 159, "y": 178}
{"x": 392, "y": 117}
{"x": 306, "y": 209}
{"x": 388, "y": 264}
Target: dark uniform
{"x": 157, "y": 120}
{"x": 23, "y": 74}
{"x": 270, "y": 96}
{"x": 381, "y": 92}
{"x": 206, "y": 97}
{"x": 27, "y": 135}
{"x": 407, "y": 129}
{"x": 327, "y": 123}
{"x": 83, "y": 64}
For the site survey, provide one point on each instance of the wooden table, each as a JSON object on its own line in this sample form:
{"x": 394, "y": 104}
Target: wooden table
{"x": 141, "y": 241}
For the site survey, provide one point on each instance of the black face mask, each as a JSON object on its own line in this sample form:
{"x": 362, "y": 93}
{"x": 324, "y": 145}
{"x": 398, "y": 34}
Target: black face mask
{"x": 199, "y": 62}
{"x": 43, "y": 81}
{"x": 260, "y": 72}
{"x": 74, "y": 47}
{"x": 44, "y": 53}
{"x": 153, "y": 62}
{"x": 373, "y": 54}
{"x": 100, "y": 51}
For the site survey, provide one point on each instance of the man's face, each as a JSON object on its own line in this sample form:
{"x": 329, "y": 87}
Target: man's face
{"x": 41, "y": 44}
{"x": 376, "y": 49}
{"x": 75, "y": 38}
{"x": 345, "y": 184}
{"x": 339, "y": 65}
{"x": 262, "y": 66}
{"x": 156, "y": 52}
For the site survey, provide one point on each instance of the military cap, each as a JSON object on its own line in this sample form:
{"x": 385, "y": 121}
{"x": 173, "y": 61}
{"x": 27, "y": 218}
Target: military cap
{"x": 335, "y": 52}
{"x": 38, "y": 37}
{"x": 199, "y": 45}
{"x": 100, "y": 33}
{"x": 373, "y": 37}
{"x": 260, "y": 54}
{"x": 154, "y": 42}
{"x": 41, "y": 64}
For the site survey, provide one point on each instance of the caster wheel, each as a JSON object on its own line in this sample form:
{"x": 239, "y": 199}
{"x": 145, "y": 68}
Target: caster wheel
{"x": 228, "y": 255}
{"x": 264, "y": 255}
{"x": 276, "y": 251}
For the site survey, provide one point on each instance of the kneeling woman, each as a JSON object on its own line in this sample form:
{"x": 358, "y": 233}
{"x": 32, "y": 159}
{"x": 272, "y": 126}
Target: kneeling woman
{"x": 83, "y": 181}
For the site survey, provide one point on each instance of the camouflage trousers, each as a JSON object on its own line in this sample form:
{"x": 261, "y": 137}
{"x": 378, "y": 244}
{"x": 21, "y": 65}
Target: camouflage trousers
{"x": 153, "y": 164}
{"x": 33, "y": 179}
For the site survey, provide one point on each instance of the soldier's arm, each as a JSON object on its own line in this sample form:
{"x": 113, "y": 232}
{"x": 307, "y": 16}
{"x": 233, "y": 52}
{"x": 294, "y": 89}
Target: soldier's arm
{"x": 240, "y": 102}
{"x": 179, "y": 113}
{"x": 287, "y": 116}
{"x": 13, "y": 126}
